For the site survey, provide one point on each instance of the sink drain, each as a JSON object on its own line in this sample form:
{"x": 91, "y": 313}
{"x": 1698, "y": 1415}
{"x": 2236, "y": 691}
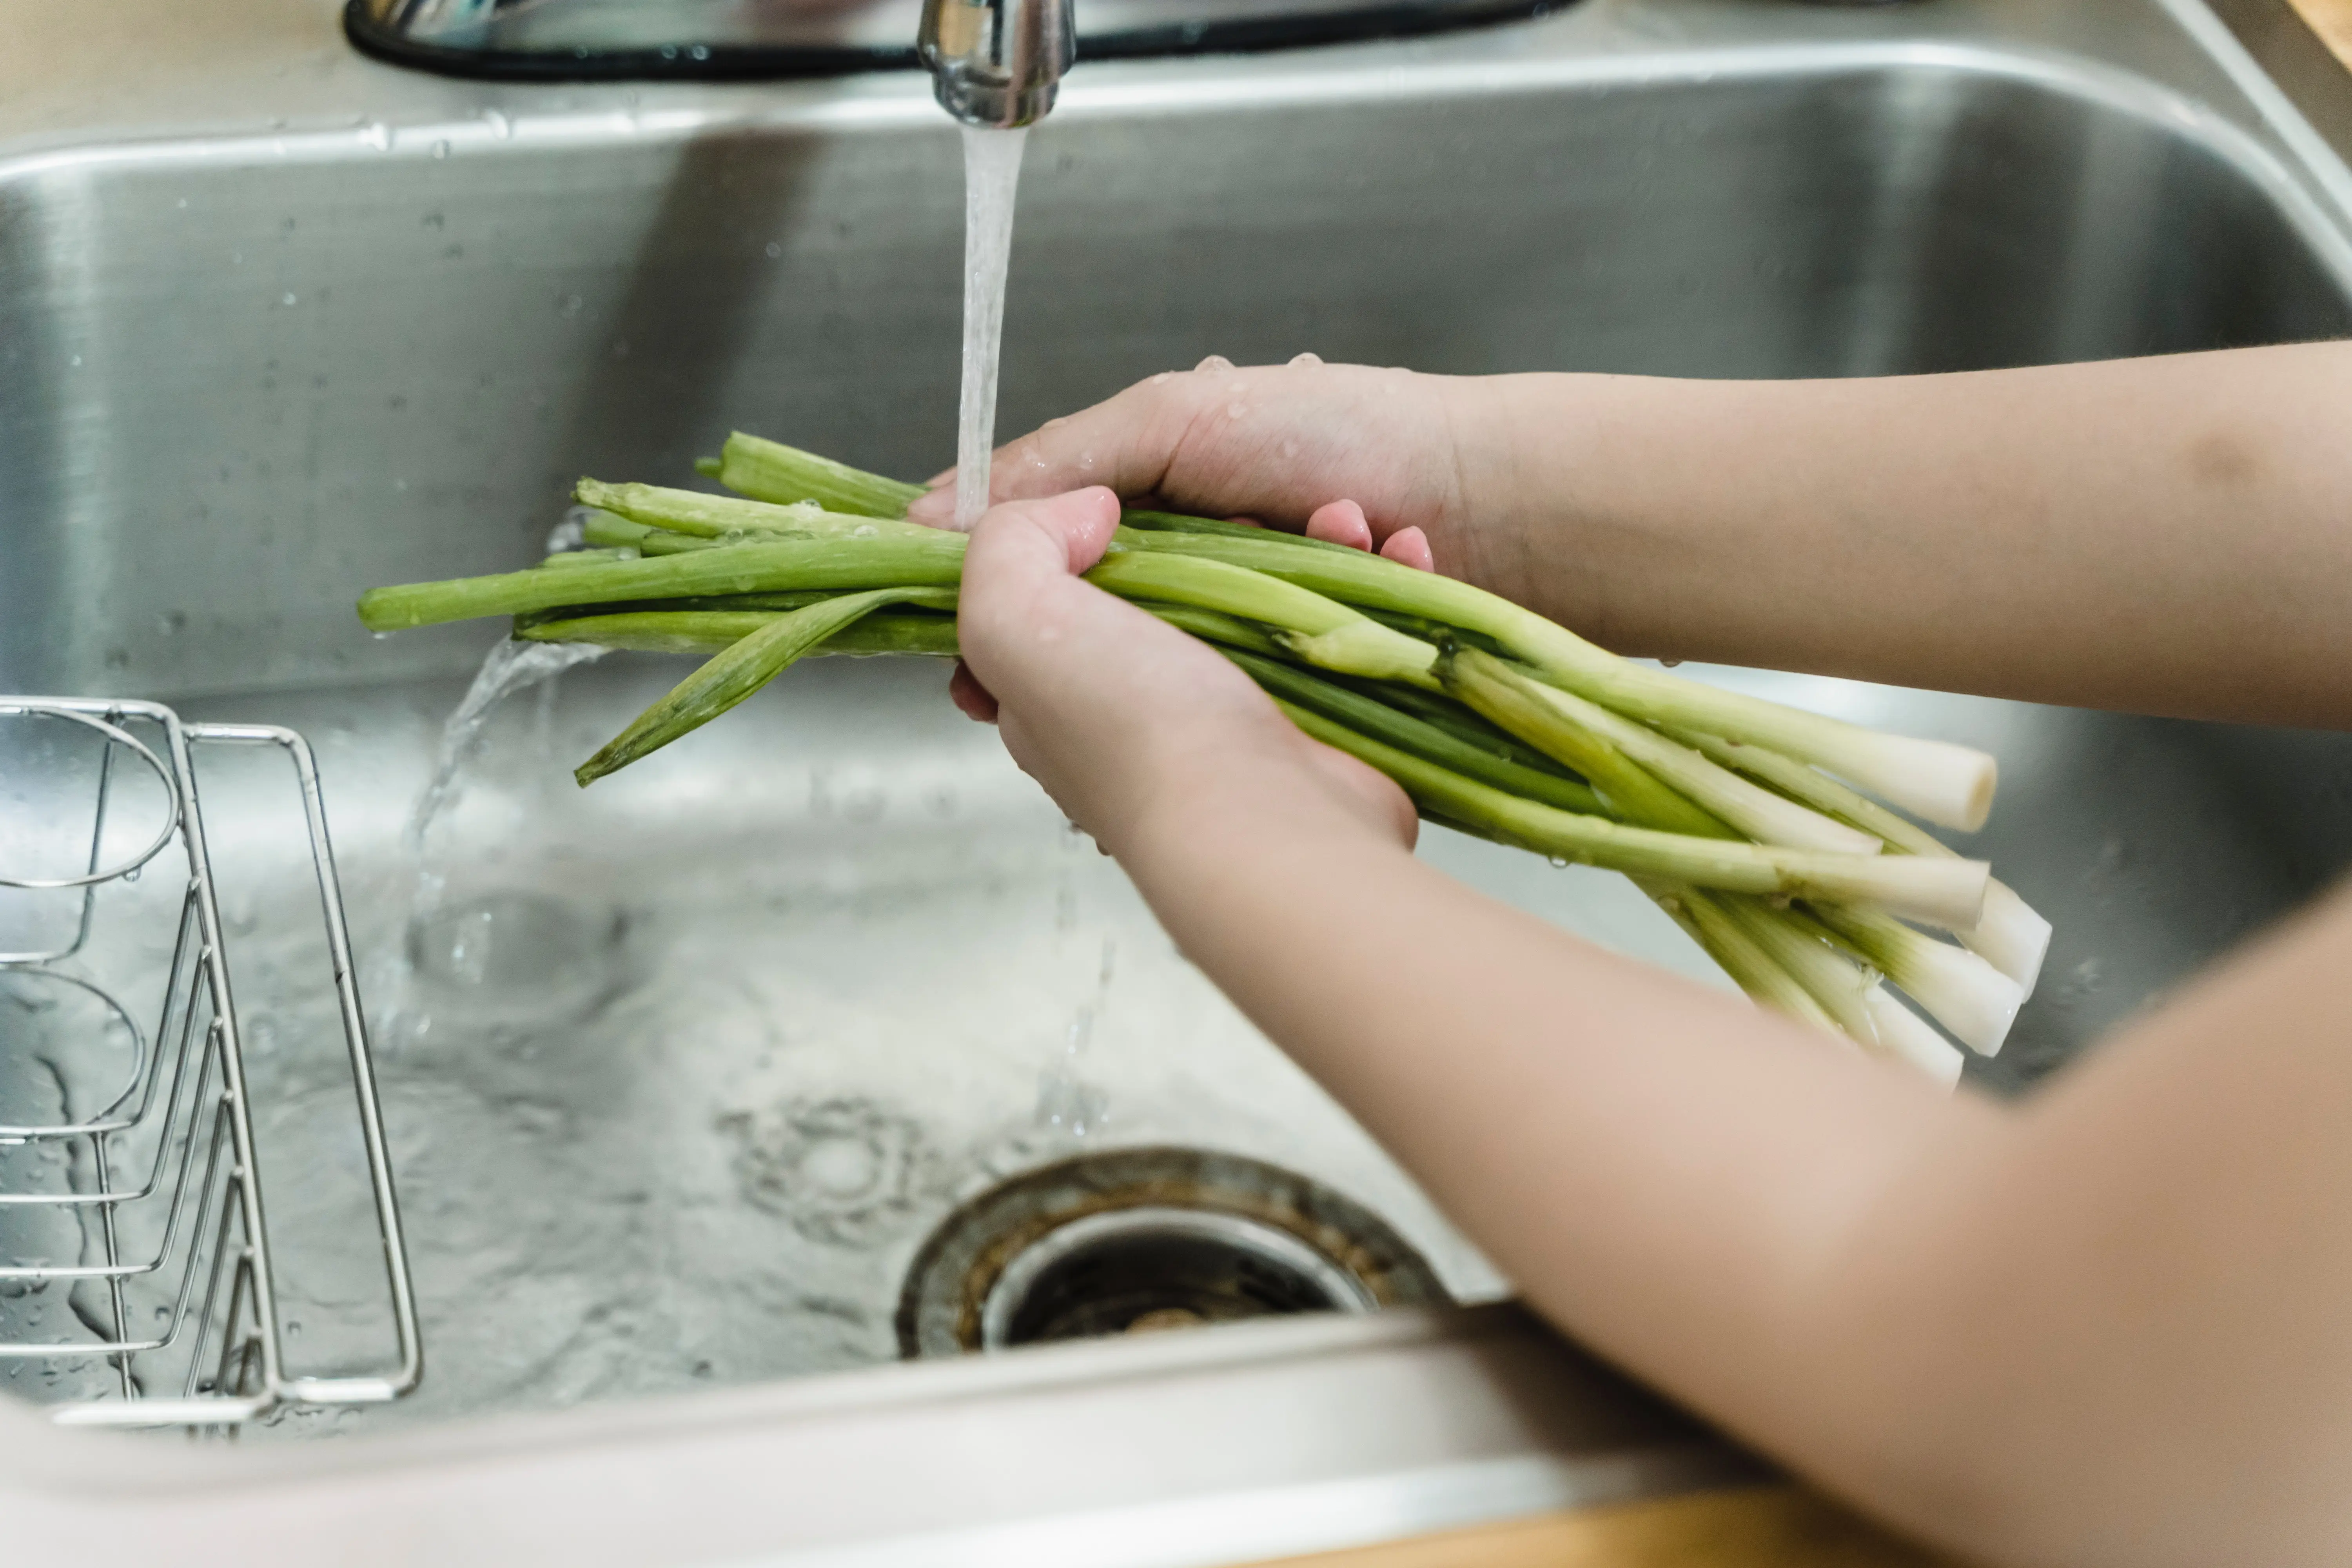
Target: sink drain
{"x": 1144, "y": 1239}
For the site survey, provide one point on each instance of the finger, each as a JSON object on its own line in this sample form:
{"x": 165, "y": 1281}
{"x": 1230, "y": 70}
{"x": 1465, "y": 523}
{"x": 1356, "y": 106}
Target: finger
{"x": 973, "y": 699}
{"x": 1080, "y": 522}
{"x": 1341, "y": 522}
{"x": 1015, "y": 574}
{"x": 1409, "y": 547}
{"x": 1022, "y": 615}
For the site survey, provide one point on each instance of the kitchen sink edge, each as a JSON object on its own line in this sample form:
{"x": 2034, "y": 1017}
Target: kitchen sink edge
{"x": 1451, "y": 1417}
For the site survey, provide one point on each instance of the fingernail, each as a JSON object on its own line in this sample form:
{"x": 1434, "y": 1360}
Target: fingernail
{"x": 933, "y": 509}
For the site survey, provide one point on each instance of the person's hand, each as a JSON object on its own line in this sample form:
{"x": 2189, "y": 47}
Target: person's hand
{"x": 1364, "y": 456}
{"x": 1147, "y": 737}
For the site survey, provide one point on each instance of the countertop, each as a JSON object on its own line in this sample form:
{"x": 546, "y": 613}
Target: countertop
{"x": 1757, "y": 1527}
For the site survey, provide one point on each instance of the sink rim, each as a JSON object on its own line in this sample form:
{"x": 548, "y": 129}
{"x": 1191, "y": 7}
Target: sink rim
{"x": 75, "y": 1471}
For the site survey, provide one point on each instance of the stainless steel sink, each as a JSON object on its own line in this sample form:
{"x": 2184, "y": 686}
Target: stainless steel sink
{"x": 757, "y": 1013}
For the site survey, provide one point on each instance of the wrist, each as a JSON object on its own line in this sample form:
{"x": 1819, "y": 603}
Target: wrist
{"x": 1490, "y": 537}
{"x": 1267, "y": 806}
{"x": 1563, "y": 487}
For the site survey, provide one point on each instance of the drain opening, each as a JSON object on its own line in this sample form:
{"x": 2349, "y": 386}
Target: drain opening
{"x": 1141, "y": 1240}
{"x": 1139, "y": 1270}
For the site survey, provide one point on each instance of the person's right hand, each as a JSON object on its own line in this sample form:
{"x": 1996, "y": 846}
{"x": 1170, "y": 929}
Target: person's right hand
{"x": 1350, "y": 453}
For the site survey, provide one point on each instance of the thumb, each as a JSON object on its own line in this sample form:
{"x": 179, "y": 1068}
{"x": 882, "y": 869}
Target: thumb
{"x": 1019, "y": 572}
{"x": 1020, "y": 575}
{"x": 1060, "y": 535}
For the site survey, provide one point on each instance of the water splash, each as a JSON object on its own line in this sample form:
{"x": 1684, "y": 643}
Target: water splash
{"x": 991, "y": 174}
{"x": 511, "y": 667}
{"x": 570, "y": 532}
{"x": 1067, "y": 1102}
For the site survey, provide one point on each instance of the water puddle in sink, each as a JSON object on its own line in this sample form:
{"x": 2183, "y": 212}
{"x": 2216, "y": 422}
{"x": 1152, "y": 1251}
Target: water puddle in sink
{"x": 992, "y": 165}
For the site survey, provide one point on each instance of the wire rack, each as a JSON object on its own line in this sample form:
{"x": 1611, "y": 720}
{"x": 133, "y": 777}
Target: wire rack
{"x": 153, "y": 1177}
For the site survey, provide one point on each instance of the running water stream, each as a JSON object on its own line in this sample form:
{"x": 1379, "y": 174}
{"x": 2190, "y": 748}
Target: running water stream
{"x": 1067, "y": 1100}
{"x": 991, "y": 174}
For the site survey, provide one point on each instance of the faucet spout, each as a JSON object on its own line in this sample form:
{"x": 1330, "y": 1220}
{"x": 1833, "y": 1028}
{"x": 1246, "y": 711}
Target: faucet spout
{"x": 997, "y": 63}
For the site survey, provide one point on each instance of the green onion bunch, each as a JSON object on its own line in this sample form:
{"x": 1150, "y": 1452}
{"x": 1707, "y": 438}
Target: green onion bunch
{"x": 1752, "y": 823}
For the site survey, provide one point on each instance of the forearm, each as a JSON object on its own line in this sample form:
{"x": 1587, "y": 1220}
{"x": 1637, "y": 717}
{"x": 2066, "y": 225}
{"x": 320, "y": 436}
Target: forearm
{"x": 1988, "y": 1328}
{"x": 2028, "y": 1334}
{"x": 1669, "y": 1173}
{"x": 2171, "y": 535}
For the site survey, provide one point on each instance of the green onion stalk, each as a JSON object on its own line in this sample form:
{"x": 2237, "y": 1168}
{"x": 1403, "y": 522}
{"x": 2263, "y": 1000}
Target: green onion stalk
{"x": 1745, "y": 821}
{"x": 2010, "y": 935}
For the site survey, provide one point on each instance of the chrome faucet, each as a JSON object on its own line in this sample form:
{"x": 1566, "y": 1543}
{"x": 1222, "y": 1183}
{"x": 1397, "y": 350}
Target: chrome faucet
{"x": 997, "y": 63}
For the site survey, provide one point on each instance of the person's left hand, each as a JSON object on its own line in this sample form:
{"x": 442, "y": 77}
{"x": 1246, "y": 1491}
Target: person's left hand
{"x": 1142, "y": 734}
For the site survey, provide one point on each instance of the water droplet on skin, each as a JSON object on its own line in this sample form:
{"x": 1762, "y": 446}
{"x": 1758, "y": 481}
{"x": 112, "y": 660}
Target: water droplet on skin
{"x": 1163, "y": 375}
{"x": 1237, "y": 410}
{"x": 1308, "y": 358}
{"x": 1215, "y": 364}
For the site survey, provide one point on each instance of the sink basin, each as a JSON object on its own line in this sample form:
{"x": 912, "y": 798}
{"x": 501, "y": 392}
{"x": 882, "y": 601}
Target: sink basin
{"x": 679, "y": 1072}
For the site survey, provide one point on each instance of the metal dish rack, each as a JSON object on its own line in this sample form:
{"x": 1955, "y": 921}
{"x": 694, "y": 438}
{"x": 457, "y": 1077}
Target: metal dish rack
{"x": 161, "y": 1177}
